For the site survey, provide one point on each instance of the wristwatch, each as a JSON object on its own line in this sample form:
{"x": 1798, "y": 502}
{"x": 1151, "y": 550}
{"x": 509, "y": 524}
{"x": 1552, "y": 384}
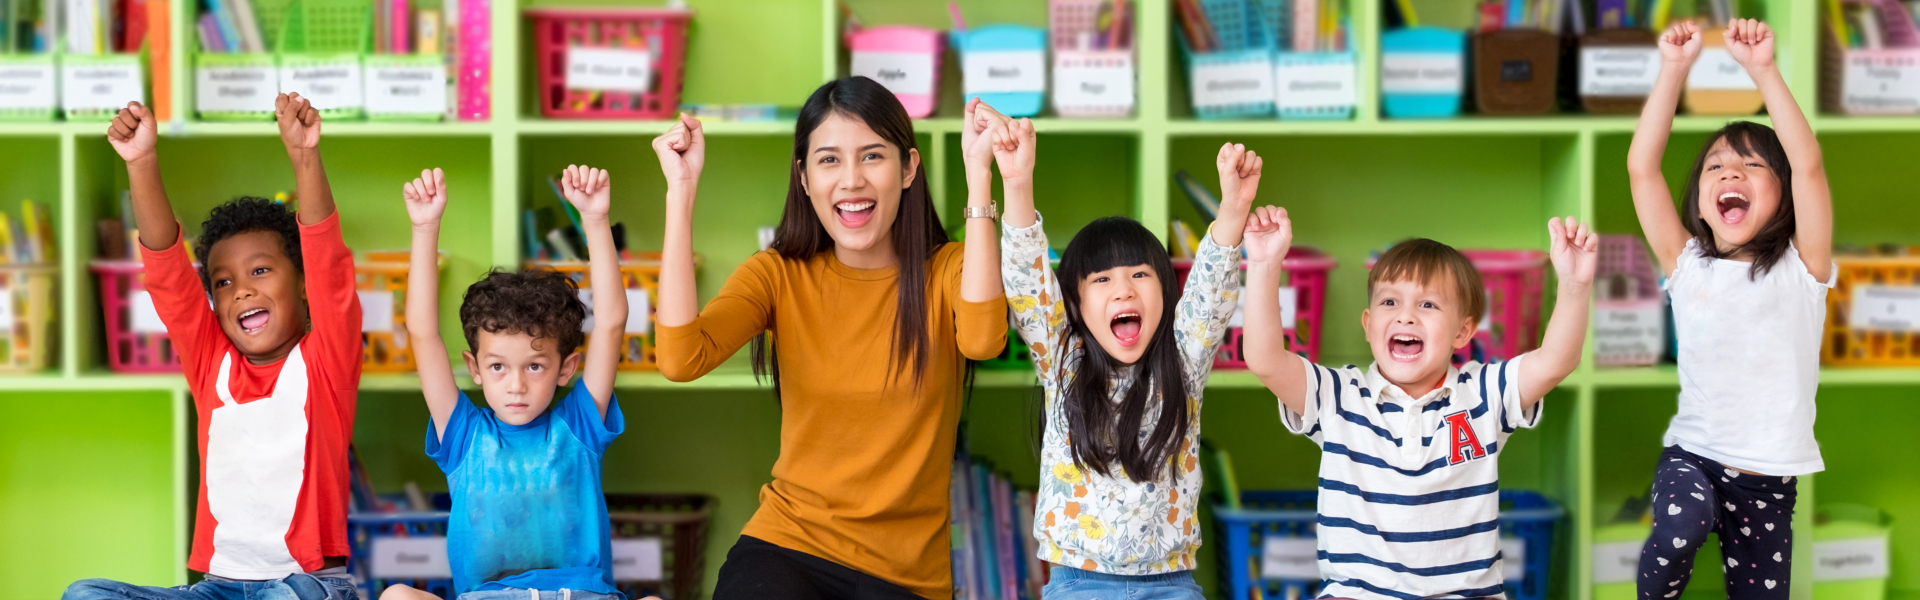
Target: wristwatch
{"x": 982, "y": 212}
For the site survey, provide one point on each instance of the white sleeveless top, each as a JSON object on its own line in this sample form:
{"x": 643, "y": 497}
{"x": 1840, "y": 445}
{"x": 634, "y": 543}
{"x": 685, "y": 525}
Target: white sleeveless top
{"x": 1749, "y": 361}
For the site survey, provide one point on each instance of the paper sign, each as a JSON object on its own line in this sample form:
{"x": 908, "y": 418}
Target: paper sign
{"x": 1881, "y": 82}
{"x": 107, "y": 87}
{"x": 1864, "y": 558}
{"x": 1004, "y": 71}
{"x": 328, "y": 86}
{"x": 612, "y": 69}
{"x": 1289, "y": 558}
{"x": 1228, "y": 84}
{"x": 639, "y": 312}
{"x": 409, "y": 558}
{"x": 1616, "y": 562}
{"x": 1618, "y": 71}
{"x": 1885, "y": 308}
{"x": 637, "y": 559}
{"x": 1486, "y": 315}
{"x": 1422, "y": 73}
{"x": 1716, "y": 70}
{"x": 909, "y": 73}
{"x": 1513, "y": 559}
{"x": 1289, "y": 300}
{"x": 27, "y": 86}
{"x": 236, "y": 88}
{"x": 146, "y": 319}
{"x": 1299, "y": 85}
{"x": 406, "y": 89}
{"x": 376, "y": 312}
{"x": 1638, "y": 330}
{"x": 6, "y": 306}
{"x": 1084, "y": 84}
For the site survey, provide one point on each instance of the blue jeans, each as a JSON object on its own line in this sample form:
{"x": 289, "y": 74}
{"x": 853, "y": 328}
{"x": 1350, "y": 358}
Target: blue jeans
{"x": 1068, "y": 583}
{"x": 522, "y": 594}
{"x": 300, "y": 586}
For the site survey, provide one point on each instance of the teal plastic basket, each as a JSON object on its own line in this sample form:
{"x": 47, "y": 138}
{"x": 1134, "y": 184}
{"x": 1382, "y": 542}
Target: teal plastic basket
{"x": 1244, "y": 41}
{"x": 1277, "y": 15}
{"x": 33, "y": 69}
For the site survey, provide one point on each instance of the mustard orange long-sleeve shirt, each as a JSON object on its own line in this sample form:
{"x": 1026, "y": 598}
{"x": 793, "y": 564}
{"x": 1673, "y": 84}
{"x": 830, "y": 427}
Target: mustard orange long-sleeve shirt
{"x": 865, "y": 458}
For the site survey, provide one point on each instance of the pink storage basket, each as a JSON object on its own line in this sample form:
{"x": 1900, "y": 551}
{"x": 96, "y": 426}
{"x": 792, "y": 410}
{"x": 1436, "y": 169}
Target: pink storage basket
{"x": 660, "y": 32}
{"x": 1630, "y": 309}
{"x": 905, "y": 59}
{"x": 1306, "y": 270}
{"x": 1511, "y": 326}
{"x": 134, "y": 344}
{"x": 1069, "y": 22}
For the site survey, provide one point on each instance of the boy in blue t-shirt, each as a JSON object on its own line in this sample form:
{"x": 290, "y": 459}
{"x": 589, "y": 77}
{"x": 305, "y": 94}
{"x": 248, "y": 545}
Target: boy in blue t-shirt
{"x": 524, "y": 471}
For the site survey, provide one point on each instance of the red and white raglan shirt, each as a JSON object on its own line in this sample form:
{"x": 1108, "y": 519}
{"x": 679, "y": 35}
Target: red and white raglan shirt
{"x": 273, "y": 438}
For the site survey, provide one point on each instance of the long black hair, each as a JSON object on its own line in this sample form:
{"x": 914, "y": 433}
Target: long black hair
{"x": 1101, "y": 431}
{"x": 917, "y": 233}
{"x": 1747, "y": 139}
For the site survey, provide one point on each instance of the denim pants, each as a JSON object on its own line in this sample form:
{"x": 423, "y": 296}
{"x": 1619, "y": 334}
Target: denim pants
{"x": 1068, "y": 583}
{"x": 525, "y": 594}
{"x": 324, "y": 585}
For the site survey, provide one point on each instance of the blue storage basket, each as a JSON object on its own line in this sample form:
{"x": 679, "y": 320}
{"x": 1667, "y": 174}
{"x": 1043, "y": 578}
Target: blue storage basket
{"x": 363, "y": 528}
{"x": 1005, "y": 38}
{"x": 1244, "y": 39}
{"x": 1526, "y": 515}
{"x": 1435, "y": 42}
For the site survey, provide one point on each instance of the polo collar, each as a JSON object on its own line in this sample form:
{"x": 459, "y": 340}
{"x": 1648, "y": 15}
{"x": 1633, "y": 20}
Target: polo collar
{"x": 1388, "y": 392}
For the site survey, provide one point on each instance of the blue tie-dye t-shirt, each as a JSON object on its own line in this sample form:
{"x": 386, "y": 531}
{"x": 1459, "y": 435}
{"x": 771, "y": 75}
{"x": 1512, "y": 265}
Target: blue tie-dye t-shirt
{"x": 527, "y": 508}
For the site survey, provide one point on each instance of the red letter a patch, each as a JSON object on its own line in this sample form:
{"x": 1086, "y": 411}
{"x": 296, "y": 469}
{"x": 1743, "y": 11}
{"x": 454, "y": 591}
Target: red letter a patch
{"x": 1466, "y": 445}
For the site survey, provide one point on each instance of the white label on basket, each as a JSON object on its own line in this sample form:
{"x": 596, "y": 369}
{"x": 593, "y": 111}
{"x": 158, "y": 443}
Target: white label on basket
{"x": 1863, "y": 558}
{"x": 612, "y": 69}
{"x": 1289, "y": 300}
{"x": 236, "y": 88}
{"x": 409, "y": 558}
{"x": 1716, "y": 70}
{"x": 1885, "y": 308}
{"x": 6, "y": 306}
{"x": 1629, "y": 331}
{"x": 1004, "y": 71}
{"x": 639, "y": 312}
{"x": 909, "y": 73}
{"x": 1228, "y": 84}
{"x": 1882, "y": 82}
{"x": 1486, "y": 315}
{"x": 328, "y": 85}
{"x": 1513, "y": 559}
{"x": 1422, "y": 73}
{"x": 1616, "y": 562}
{"x": 407, "y": 89}
{"x": 376, "y": 312}
{"x": 1085, "y": 85}
{"x": 106, "y": 87}
{"x": 1289, "y": 558}
{"x": 146, "y": 318}
{"x": 1618, "y": 71}
{"x": 27, "y": 86}
{"x": 637, "y": 559}
{"x": 1311, "y": 85}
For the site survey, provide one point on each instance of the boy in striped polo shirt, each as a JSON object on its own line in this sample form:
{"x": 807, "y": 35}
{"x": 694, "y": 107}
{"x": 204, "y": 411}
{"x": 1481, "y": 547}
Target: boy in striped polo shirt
{"x": 1409, "y": 465}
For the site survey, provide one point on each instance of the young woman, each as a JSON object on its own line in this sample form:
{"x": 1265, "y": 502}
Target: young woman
{"x": 871, "y": 315}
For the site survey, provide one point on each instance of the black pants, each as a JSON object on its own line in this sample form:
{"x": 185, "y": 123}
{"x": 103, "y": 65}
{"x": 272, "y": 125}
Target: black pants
{"x": 758, "y": 570}
{"x": 1753, "y": 515}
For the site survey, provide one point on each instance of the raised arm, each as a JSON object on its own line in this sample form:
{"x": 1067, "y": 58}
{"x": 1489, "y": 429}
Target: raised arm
{"x": 135, "y": 137}
{"x": 300, "y": 132}
{"x": 1269, "y": 234}
{"x": 683, "y": 153}
{"x": 985, "y": 137}
{"x": 1574, "y": 251}
{"x": 1239, "y": 180}
{"x": 1652, "y": 199}
{"x": 1751, "y": 44}
{"x": 590, "y": 192}
{"x": 426, "y": 199}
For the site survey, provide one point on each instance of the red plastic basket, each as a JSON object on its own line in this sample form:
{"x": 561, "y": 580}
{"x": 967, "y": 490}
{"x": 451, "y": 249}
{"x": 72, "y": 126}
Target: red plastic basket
{"x": 134, "y": 344}
{"x": 1514, "y": 280}
{"x": 661, "y": 32}
{"x": 1306, "y": 270}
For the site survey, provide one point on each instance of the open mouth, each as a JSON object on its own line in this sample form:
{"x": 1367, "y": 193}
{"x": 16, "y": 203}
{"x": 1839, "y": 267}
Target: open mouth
{"x": 254, "y": 320}
{"x": 1733, "y": 207}
{"x": 1405, "y": 348}
{"x": 1126, "y": 328}
{"x": 854, "y": 213}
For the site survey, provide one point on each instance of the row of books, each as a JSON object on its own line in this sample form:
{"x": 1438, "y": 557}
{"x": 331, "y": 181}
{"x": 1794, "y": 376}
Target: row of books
{"x": 87, "y": 26}
{"x": 1296, "y": 25}
{"x": 27, "y": 238}
{"x": 398, "y": 27}
{"x": 562, "y": 240}
{"x": 1874, "y": 24}
{"x": 994, "y": 554}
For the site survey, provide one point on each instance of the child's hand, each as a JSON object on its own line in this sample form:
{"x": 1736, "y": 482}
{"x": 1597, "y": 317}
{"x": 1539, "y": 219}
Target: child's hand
{"x": 1239, "y": 178}
{"x": 1268, "y": 236}
{"x": 1013, "y": 151}
{"x": 1575, "y": 250}
{"x": 1751, "y": 43}
{"x": 426, "y": 198}
{"x": 682, "y": 151}
{"x": 1680, "y": 44}
{"x": 133, "y": 133}
{"x": 588, "y": 190}
{"x": 299, "y": 122}
{"x": 981, "y": 129}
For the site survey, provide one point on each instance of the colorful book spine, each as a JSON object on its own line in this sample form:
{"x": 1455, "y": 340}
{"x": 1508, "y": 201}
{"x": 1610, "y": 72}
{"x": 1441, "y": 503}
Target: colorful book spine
{"x": 160, "y": 56}
{"x": 476, "y": 60}
{"x": 248, "y": 26}
{"x": 397, "y": 24}
{"x": 229, "y": 34}
{"x": 1306, "y": 25}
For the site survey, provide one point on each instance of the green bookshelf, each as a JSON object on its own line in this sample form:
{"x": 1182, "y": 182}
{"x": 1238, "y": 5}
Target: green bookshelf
{"x": 98, "y": 467}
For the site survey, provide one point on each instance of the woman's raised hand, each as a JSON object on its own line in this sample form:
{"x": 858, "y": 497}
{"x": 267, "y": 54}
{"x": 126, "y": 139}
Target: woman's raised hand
{"x": 682, "y": 151}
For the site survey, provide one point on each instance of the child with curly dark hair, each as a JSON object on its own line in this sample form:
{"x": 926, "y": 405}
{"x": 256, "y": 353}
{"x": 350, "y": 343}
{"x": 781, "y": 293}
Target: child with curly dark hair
{"x": 273, "y": 364}
{"x": 528, "y": 516}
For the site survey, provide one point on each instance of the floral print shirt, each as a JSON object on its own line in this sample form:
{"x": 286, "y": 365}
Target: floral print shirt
{"x": 1113, "y": 524}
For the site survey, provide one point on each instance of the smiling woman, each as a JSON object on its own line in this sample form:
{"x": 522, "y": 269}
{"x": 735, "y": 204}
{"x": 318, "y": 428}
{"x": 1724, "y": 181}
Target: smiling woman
{"x": 859, "y": 502}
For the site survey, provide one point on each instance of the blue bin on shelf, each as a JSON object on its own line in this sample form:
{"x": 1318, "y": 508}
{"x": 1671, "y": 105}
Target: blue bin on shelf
{"x": 1423, "y": 72}
{"x": 421, "y": 535}
{"x": 1314, "y": 105}
{"x": 1526, "y": 516}
{"x": 1004, "y": 65}
{"x": 1235, "y": 81}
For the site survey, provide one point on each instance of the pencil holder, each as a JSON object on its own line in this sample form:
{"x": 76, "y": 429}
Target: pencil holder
{"x": 1307, "y": 85}
{"x": 27, "y": 297}
{"x": 28, "y": 87}
{"x": 599, "y": 63}
{"x": 1089, "y": 83}
{"x": 1718, "y": 85}
{"x": 235, "y": 87}
{"x": 381, "y": 280}
{"x": 642, "y": 282}
{"x": 1629, "y": 311}
{"x": 1873, "y": 313}
{"x": 1515, "y": 71}
{"x": 137, "y": 341}
{"x": 1004, "y": 66}
{"x": 1617, "y": 70}
{"x": 96, "y": 87}
{"x": 1422, "y": 72}
{"x": 904, "y": 59}
{"x": 1236, "y": 79}
{"x": 405, "y": 87}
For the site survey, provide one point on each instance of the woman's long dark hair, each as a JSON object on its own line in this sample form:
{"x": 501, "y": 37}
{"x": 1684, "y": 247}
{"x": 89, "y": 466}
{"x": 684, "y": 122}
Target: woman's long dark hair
{"x": 1101, "y": 431}
{"x": 1770, "y": 243}
{"x": 917, "y": 233}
